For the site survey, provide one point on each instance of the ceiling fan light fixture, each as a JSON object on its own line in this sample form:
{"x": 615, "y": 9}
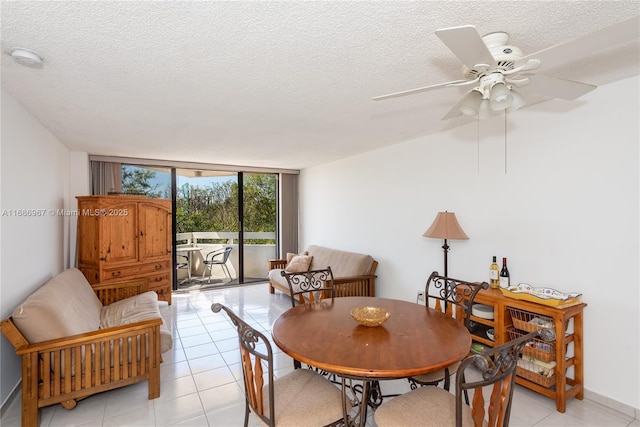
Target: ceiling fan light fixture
{"x": 500, "y": 98}
{"x": 490, "y": 61}
{"x": 517, "y": 103}
{"x": 470, "y": 106}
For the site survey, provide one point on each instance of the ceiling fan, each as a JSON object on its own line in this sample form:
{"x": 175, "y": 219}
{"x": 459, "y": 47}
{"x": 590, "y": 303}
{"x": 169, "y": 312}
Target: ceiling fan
{"x": 493, "y": 68}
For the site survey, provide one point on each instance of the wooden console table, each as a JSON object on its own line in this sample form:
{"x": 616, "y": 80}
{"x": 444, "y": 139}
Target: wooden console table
{"x": 567, "y": 351}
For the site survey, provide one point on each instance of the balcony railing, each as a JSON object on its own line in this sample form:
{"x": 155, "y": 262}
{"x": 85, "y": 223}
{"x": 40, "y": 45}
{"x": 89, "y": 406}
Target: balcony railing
{"x": 256, "y": 255}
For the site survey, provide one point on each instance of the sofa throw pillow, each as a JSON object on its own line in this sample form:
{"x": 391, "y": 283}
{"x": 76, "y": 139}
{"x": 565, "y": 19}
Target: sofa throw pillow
{"x": 299, "y": 264}
{"x": 291, "y": 255}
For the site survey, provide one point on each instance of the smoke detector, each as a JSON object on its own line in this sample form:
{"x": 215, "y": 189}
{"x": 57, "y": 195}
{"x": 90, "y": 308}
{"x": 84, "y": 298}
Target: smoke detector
{"x": 25, "y": 56}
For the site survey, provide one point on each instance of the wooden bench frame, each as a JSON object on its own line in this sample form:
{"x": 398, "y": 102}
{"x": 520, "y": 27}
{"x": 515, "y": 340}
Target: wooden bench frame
{"x": 352, "y": 286}
{"x": 68, "y": 369}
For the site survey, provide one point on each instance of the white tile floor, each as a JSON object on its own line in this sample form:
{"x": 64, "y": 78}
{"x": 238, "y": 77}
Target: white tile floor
{"x": 200, "y": 376}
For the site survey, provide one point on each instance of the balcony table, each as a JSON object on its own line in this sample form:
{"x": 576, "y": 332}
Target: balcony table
{"x": 188, "y": 250}
{"x": 414, "y": 340}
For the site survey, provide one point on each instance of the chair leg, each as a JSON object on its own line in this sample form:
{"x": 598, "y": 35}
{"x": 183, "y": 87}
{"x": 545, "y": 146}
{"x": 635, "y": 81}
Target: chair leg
{"x": 246, "y": 414}
{"x": 204, "y": 271}
{"x": 447, "y": 385}
{"x": 226, "y": 271}
{"x": 447, "y": 379}
{"x": 30, "y": 390}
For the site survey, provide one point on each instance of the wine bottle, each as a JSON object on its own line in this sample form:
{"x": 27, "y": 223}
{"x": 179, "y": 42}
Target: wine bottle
{"x": 504, "y": 274}
{"x": 494, "y": 274}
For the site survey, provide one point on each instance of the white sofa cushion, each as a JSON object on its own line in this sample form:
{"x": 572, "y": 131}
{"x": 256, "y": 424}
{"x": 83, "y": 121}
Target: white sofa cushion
{"x": 136, "y": 309}
{"x": 65, "y": 305}
{"x": 342, "y": 263}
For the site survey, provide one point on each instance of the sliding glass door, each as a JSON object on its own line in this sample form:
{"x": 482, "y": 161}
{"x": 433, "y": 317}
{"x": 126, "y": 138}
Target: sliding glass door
{"x": 259, "y": 223}
{"x": 225, "y": 222}
{"x": 225, "y": 226}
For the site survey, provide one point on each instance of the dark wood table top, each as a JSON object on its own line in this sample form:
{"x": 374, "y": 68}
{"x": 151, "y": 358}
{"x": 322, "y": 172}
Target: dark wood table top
{"x": 415, "y": 340}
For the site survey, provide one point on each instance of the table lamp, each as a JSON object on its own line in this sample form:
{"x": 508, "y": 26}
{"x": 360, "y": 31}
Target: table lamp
{"x": 446, "y": 227}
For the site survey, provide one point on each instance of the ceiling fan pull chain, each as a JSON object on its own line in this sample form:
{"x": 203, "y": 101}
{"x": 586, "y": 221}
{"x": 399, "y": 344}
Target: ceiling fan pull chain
{"x": 478, "y": 143}
{"x": 505, "y": 142}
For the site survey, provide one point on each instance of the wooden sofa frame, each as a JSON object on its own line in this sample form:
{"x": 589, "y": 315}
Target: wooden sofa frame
{"x": 351, "y": 286}
{"x": 68, "y": 369}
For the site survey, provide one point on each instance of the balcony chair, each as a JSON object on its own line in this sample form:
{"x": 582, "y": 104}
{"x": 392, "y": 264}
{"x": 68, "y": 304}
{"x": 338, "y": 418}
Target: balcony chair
{"x": 182, "y": 261}
{"x": 299, "y": 398}
{"x": 434, "y": 406}
{"x": 217, "y": 257}
{"x": 454, "y": 298}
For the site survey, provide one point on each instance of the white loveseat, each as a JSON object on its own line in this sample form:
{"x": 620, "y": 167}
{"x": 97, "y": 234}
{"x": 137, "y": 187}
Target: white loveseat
{"x": 353, "y": 273}
{"x": 76, "y": 340}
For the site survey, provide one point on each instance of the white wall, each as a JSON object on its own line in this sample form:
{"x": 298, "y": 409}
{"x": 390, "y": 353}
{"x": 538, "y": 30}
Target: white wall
{"x": 35, "y": 175}
{"x": 78, "y": 186}
{"x": 565, "y": 215}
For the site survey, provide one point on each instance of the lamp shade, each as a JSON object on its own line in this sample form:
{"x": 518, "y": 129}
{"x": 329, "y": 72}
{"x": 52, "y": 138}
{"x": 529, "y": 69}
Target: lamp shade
{"x": 446, "y": 226}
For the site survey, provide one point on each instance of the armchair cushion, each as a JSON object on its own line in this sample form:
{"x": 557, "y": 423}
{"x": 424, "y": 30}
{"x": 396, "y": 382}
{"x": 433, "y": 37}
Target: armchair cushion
{"x": 136, "y": 309}
{"x": 64, "y": 306}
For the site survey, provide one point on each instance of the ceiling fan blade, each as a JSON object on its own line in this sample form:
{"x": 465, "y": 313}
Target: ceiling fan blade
{"x": 455, "y": 110}
{"x": 467, "y": 45}
{"x": 582, "y": 46}
{"x": 554, "y": 87}
{"x": 423, "y": 89}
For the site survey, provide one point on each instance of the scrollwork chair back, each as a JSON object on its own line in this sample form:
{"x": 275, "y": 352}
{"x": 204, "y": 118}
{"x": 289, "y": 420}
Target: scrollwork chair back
{"x": 310, "y": 285}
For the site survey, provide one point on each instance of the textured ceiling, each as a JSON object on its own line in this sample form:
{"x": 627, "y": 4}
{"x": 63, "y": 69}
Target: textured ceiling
{"x": 269, "y": 84}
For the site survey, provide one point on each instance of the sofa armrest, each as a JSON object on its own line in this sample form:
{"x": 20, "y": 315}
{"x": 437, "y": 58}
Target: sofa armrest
{"x": 13, "y": 334}
{"x": 109, "y": 334}
{"x": 277, "y": 263}
{"x": 112, "y": 292}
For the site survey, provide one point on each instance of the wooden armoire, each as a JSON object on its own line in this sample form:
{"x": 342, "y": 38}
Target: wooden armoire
{"x": 123, "y": 237}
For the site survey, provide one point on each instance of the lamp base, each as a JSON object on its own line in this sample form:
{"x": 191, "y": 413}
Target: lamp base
{"x": 445, "y": 248}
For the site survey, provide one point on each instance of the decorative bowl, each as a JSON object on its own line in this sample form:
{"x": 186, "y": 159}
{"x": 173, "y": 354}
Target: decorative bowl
{"x": 491, "y": 334}
{"x": 370, "y": 316}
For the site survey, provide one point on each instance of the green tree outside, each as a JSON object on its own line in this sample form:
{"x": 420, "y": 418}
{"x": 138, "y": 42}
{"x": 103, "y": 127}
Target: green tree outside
{"x": 138, "y": 181}
{"x": 214, "y": 207}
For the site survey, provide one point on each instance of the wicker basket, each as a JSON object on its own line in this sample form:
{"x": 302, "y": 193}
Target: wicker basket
{"x": 536, "y": 348}
{"x": 530, "y": 322}
{"x": 536, "y": 378}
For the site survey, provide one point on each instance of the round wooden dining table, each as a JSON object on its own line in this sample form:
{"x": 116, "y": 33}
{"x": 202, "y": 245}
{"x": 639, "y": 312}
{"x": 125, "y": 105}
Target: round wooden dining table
{"x": 414, "y": 340}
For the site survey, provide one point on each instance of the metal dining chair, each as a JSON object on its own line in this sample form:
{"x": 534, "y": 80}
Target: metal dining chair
{"x": 494, "y": 369}
{"x": 300, "y": 398}
{"x": 309, "y": 286}
{"x": 217, "y": 257}
{"x": 452, "y": 297}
